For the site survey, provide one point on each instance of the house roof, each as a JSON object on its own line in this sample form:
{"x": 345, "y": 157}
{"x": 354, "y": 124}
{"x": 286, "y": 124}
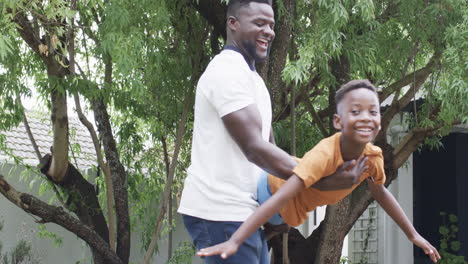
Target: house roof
{"x": 81, "y": 154}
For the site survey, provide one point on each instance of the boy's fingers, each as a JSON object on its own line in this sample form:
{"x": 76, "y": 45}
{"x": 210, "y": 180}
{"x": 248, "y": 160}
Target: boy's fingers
{"x": 206, "y": 252}
{"x": 436, "y": 253}
{"x": 432, "y": 254}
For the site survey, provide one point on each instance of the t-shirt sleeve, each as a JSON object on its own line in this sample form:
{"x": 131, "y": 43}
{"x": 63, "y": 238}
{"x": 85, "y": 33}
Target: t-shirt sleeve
{"x": 228, "y": 91}
{"x": 377, "y": 169}
{"x": 313, "y": 166}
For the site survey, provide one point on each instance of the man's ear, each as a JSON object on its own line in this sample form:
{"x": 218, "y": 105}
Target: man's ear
{"x": 337, "y": 121}
{"x": 232, "y": 23}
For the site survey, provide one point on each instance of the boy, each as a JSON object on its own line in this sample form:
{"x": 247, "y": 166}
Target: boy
{"x": 358, "y": 119}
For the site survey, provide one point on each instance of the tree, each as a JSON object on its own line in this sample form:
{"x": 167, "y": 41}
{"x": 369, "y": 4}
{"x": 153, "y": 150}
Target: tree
{"x": 134, "y": 65}
{"x": 410, "y": 49}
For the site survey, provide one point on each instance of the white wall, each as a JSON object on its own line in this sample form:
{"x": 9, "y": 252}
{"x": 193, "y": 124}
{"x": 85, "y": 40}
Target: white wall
{"x": 20, "y": 225}
{"x": 394, "y": 247}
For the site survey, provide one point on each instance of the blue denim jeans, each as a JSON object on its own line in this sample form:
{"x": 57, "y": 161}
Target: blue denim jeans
{"x": 263, "y": 194}
{"x": 207, "y": 233}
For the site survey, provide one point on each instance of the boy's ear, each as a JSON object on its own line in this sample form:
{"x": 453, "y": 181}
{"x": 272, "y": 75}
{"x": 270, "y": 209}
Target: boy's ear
{"x": 337, "y": 121}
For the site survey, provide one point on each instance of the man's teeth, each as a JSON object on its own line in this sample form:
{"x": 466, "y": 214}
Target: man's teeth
{"x": 364, "y": 129}
{"x": 263, "y": 43}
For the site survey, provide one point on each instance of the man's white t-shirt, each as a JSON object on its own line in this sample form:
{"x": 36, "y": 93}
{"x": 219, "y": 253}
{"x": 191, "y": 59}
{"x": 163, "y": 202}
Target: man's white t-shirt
{"x": 221, "y": 182}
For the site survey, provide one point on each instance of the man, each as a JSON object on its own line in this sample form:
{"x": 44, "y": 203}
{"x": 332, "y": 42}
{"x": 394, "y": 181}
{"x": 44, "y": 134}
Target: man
{"x": 232, "y": 138}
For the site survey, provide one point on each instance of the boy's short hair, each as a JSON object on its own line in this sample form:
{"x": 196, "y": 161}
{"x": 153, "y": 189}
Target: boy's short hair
{"x": 352, "y": 85}
{"x": 234, "y": 5}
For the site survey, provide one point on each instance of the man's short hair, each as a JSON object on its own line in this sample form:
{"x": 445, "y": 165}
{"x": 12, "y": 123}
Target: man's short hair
{"x": 234, "y": 5}
{"x": 353, "y": 85}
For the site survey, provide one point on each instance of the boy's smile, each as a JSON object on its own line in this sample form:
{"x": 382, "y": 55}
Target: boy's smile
{"x": 358, "y": 116}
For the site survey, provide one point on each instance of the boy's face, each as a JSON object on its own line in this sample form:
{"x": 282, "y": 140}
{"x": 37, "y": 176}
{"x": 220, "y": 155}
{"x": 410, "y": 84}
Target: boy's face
{"x": 253, "y": 30}
{"x": 358, "y": 116}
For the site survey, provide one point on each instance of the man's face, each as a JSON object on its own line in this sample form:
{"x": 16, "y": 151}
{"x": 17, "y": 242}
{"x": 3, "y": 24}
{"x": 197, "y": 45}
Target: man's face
{"x": 253, "y": 30}
{"x": 358, "y": 116}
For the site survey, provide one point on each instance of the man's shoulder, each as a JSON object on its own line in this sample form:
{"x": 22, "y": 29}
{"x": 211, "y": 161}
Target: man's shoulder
{"x": 224, "y": 70}
{"x": 228, "y": 62}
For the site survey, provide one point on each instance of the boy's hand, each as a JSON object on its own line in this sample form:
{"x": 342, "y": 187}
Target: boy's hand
{"x": 225, "y": 249}
{"x": 427, "y": 247}
{"x": 345, "y": 176}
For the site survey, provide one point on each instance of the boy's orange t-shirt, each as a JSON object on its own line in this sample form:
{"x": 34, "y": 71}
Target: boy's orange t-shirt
{"x": 323, "y": 160}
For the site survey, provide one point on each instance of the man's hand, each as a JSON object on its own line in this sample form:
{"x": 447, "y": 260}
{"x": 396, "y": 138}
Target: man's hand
{"x": 225, "y": 249}
{"x": 345, "y": 176}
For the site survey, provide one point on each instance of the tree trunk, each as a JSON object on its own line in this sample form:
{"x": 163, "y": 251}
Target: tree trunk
{"x": 331, "y": 241}
{"x": 82, "y": 200}
{"x": 119, "y": 179}
{"x": 271, "y": 69}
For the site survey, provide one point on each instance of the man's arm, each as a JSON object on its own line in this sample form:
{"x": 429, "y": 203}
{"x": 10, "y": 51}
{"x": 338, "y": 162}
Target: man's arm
{"x": 393, "y": 209}
{"x": 272, "y": 136}
{"x": 258, "y": 218}
{"x": 245, "y": 127}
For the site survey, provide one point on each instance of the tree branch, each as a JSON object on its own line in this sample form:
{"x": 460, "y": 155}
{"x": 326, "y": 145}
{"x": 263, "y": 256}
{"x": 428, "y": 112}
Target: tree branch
{"x": 53, "y": 214}
{"x": 27, "y": 32}
{"x": 168, "y": 188}
{"x": 31, "y": 137}
{"x": 215, "y": 14}
{"x": 105, "y": 169}
{"x": 271, "y": 69}
{"x": 416, "y": 80}
{"x": 426, "y": 70}
{"x": 412, "y": 140}
{"x": 119, "y": 178}
{"x": 315, "y": 117}
{"x": 59, "y": 118}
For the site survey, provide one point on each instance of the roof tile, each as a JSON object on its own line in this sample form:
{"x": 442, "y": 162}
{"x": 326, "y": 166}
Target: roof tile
{"x": 18, "y": 141}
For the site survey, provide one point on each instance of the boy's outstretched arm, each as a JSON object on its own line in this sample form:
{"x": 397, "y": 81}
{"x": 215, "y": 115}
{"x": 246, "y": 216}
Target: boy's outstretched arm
{"x": 292, "y": 186}
{"x": 393, "y": 209}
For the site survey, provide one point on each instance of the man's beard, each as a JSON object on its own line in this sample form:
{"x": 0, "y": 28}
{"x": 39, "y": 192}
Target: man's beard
{"x": 251, "y": 49}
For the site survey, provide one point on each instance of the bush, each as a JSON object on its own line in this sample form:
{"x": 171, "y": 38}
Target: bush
{"x": 449, "y": 245}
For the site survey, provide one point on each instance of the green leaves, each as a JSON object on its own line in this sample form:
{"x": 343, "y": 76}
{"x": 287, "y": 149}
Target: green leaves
{"x": 449, "y": 245}
{"x": 5, "y": 46}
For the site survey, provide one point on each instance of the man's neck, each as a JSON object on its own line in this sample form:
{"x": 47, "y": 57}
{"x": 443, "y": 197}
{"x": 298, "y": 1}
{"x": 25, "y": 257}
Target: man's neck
{"x": 251, "y": 63}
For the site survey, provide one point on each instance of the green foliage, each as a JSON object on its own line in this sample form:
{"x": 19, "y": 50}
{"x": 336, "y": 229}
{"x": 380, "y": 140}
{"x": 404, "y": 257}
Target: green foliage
{"x": 183, "y": 254}
{"x": 307, "y": 135}
{"x": 385, "y": 41}
{"x": 157, "y": 50}
{"x": 345, "y": 260}
{"x": 21, "y": 253}
{"x": 449, "y": 245}
{"x": 44, "y": 233}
